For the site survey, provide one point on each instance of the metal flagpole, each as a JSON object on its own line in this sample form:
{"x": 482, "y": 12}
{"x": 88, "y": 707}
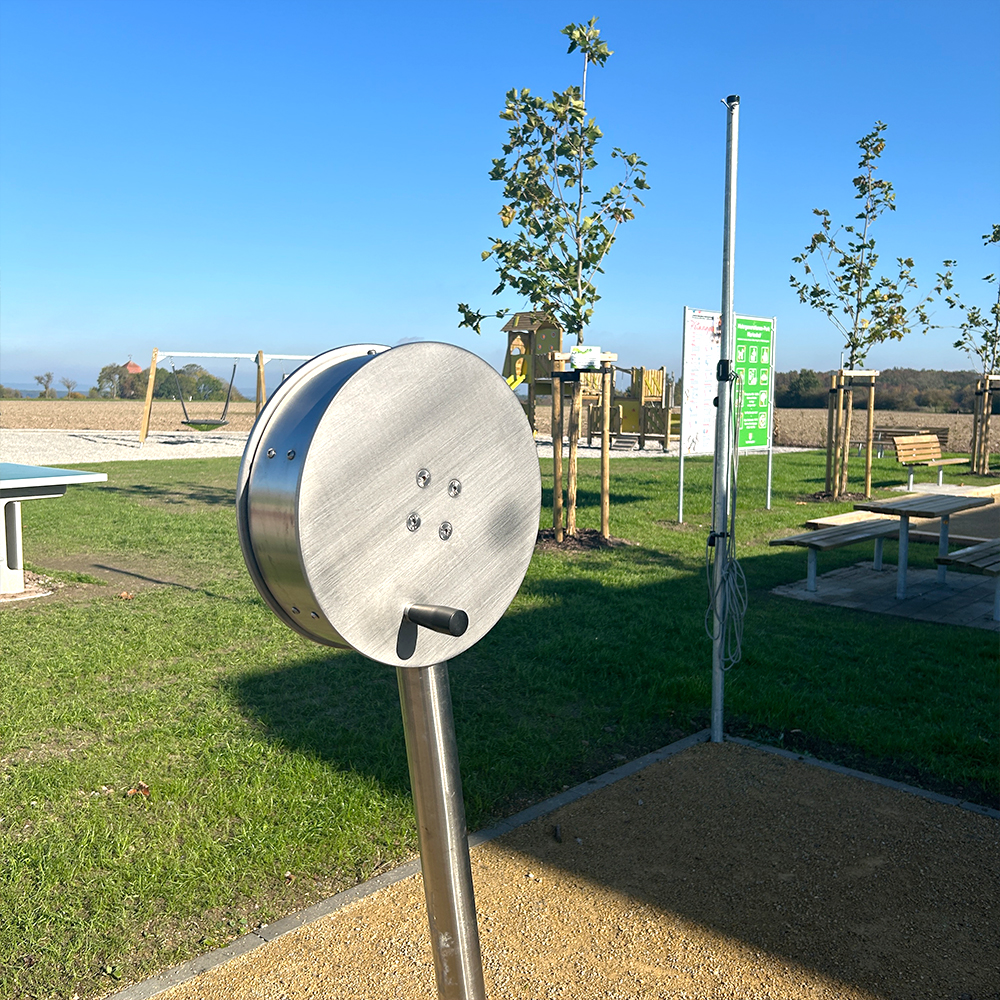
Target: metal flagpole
{"x": 723, "y": 441}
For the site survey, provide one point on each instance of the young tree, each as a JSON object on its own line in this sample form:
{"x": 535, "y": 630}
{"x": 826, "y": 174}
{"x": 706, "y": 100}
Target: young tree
{"x": 45, "y": 381}
{"x": 109, "y": 380}
{"x": 562, "y": 235}
{"x": 840, "y": 278}
{"x": 69, "y": 383}
{"x": 980, "y": 339}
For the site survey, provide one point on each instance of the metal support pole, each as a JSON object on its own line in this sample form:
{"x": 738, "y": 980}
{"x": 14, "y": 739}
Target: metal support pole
{"x": 903, "y": 559}
{"x": 721, "y": 479}
{"x": 432, "y": 754}
{"x": 943, "y": 549}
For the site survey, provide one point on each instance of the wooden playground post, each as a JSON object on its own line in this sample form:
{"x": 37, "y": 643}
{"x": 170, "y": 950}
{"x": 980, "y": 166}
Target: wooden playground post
{"x": 607, "y": 382}
{"x": 261, "y": 388}
{"x": 829, "y": 433}
{"x": 148, "y": 408}
{"x": 557, "y": 433}
{"x": 838, "y": 433}
{"x": 642, "y": 408}
{"x": 848, "y": 418}
{"x": 977, "y": 404}
{"x": 869, "y": 436}
{"x": 574, "y": 441}
{"x": 985, "y": 412}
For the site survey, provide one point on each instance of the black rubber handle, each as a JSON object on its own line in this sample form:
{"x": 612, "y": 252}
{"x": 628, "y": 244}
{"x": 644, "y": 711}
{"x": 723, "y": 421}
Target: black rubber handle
{"x": 449, "y": 621}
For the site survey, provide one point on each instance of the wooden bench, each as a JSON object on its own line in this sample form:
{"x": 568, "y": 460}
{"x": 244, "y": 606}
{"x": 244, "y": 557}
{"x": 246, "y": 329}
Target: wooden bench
{"x": 882, "y": 438}
{"x": 981, "y": 558}
{"x": 922, "y": 449}
{"x": 837, "y": 537}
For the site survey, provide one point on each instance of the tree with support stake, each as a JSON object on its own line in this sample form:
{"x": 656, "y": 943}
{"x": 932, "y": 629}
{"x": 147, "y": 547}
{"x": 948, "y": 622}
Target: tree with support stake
{"x": 980, "y": 339}
{"x": 562, "y": 237}
{"x": 840, "y": 280}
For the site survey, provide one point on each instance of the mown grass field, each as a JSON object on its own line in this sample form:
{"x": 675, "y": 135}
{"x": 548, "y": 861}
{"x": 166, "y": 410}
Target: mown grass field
{"x": 276, "y": 770}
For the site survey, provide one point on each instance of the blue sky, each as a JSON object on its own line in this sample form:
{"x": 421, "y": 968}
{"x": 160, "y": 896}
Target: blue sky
{"x": 291, "y": 176}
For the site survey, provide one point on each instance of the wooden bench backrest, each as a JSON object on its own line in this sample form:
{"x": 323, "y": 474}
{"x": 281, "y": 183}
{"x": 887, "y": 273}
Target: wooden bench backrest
{"x": 917, "y": 448}
{"x": 884, "y": 434}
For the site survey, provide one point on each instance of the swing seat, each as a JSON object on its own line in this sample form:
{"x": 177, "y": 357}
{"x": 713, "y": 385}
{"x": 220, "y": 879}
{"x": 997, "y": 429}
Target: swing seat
{"x": 204, "y": 425}
{"x": 207, "y": 423}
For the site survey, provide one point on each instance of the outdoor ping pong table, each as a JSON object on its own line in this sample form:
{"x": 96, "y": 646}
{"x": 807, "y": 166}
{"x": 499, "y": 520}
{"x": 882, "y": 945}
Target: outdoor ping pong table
{"x": 28, "y": 482}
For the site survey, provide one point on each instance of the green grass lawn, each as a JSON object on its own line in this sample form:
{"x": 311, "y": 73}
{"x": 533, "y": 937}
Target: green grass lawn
{"x": 276, "y": 769}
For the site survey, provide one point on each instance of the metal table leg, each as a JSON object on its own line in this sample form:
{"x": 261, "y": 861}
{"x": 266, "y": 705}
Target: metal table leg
{"x": 425, "y": 698}
{"x": 904, "y": 556}
{"x": 943, "y": 549}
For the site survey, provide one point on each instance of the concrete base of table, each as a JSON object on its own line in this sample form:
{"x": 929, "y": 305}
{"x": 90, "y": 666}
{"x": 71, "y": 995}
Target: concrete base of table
{"x": 966, "y": 599}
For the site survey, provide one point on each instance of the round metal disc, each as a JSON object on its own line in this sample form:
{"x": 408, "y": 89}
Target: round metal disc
{"x": 411, "y": 479}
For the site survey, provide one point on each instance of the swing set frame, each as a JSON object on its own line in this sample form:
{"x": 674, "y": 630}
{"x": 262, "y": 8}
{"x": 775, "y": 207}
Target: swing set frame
{"x": 260, "y": 358}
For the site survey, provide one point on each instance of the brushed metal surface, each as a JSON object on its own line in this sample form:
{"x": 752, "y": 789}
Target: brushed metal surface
{"x": 361, "y": 444}
{"x": 436, "y": 782}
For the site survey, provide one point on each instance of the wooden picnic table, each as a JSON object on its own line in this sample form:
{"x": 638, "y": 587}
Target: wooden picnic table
{"x": 923, "y": 505}
{"x": 28, "y": 482}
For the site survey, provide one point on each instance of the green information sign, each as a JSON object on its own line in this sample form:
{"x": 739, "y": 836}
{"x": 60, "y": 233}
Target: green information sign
{"x": 755, "y": 371}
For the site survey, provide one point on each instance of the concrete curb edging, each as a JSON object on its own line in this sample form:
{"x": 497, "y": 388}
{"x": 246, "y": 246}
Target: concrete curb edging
{"x": 873, "y": 778}
{"x": 195, "y": 967}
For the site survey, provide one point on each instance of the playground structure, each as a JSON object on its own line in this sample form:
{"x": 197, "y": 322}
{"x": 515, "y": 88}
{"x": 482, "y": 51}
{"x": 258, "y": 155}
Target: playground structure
{"x": 209, "y": 423}
{"x": 645, "y": 410}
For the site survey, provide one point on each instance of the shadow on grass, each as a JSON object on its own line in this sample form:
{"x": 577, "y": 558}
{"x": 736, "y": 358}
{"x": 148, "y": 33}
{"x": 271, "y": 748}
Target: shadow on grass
{"x": 581, "y": 675}
{"x": 191, "y": 494}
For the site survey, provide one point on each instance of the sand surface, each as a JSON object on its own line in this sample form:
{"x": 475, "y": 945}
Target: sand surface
{"x": 722, "y": 872}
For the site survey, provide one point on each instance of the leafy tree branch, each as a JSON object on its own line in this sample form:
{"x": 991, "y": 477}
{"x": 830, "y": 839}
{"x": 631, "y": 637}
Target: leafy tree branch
{"x": 840, "y": 267}
{"x": 562, "y": 236}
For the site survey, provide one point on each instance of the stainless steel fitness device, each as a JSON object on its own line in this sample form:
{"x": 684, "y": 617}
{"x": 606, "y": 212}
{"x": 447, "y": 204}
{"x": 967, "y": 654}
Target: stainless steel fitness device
{"x": 388, "y": 502}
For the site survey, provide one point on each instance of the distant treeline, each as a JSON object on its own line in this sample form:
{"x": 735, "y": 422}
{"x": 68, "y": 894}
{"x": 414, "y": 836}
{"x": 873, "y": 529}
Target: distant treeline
{"x": 895, "y": 389}
{"x": 118, "y": 382}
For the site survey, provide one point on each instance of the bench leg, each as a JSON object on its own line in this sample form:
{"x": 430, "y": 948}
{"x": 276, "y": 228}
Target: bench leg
{"x": 11, "y": 552}
{"x": 811, "y": 571}
{"x": 909, "y": 481}
{"x": 943, "y": 549}
{"x": 940, "y": 475}
{"x": 878, "y": 554}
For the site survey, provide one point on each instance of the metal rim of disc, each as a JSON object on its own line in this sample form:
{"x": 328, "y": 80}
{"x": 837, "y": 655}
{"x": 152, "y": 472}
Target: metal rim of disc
{"x": 303, "y": 373}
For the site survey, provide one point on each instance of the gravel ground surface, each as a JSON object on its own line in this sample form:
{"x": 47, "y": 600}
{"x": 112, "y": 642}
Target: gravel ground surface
{"x": 721, "y": 873}
{"x": 55, "y": 447}
{"x": 67, "y": 447}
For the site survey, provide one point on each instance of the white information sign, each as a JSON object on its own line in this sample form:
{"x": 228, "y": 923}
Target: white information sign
{"x": 702, "y": 345}
{"x": 754, "y": 366}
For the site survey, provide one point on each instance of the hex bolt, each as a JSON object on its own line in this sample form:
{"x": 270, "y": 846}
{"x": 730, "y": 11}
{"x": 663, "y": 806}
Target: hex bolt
{"x": 445, "y": 531}
{"x": 412, "y": 521}
{"x": 271, "y": 453}
{"x": 423, "y": 478}
{"x": 313, "y": 614}
{"x": 295, "y": 611}
{"x": 454, "y": 488}
{"x": 291, "y": 454}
